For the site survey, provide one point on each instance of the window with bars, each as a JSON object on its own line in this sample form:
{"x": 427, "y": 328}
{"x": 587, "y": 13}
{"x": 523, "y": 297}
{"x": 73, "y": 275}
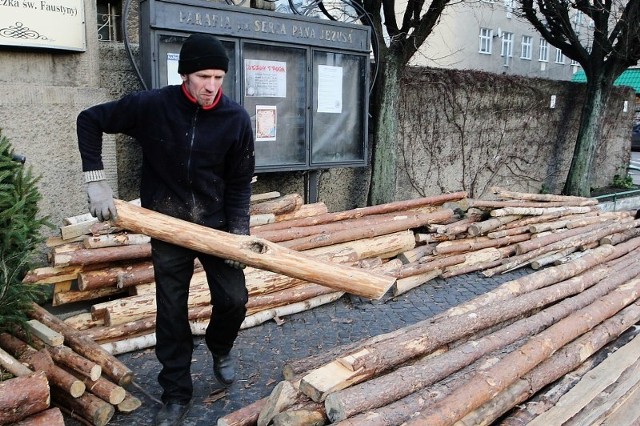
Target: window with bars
{"x": 527, "y": 42}
{"x": 544, "y": 51}
{"x": 486, "y": 37}
{"x": 109, "y": 20}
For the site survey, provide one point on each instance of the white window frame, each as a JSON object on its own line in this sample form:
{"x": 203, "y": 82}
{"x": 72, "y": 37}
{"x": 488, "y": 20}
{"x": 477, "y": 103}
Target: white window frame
{"x": 559, "y": 56}
{"x": 544, "y": 51}
{"x": 526, "y": 46}
{"x": 486, "y": 41}
{"x": 507, "y": 45}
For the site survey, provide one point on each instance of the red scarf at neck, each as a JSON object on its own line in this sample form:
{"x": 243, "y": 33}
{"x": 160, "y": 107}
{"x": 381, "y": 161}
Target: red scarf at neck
{"x": 195, "y": 101}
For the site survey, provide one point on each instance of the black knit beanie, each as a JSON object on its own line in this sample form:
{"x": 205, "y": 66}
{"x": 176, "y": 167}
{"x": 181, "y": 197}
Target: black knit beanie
{"x": 202, "y": 52}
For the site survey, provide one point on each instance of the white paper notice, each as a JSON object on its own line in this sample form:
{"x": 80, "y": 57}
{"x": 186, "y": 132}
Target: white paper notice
{"x": 172, "y": 69}
{"x": 329, "y": 89}
{"x": 267, "y": 79}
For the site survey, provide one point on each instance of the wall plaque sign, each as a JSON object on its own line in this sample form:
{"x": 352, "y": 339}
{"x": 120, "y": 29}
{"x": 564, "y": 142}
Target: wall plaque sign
{"x": 50, "y": 24}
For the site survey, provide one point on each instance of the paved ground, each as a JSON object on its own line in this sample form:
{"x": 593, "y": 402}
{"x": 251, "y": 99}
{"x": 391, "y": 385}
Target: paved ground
{"x": 262, "y": 351}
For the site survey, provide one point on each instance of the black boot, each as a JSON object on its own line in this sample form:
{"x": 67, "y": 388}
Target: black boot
{"x": 172, "y": 414}
{"x": 223, "y": 369}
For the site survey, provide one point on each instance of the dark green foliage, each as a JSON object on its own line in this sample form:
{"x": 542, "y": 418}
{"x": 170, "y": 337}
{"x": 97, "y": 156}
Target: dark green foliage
{"x": 19, "y": 237}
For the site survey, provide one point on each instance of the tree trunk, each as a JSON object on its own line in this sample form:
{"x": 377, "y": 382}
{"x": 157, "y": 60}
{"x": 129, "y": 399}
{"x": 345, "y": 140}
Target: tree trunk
{"x": 91, "y": 408}
{"x": 579, "y": 176}
{"x": 251, "y": 251}
{"x": 384, "y": 148}
{"x": 50, "y": 417}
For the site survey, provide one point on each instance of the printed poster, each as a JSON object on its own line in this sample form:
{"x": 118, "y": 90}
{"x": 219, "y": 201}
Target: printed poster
{"x": 329, "y": 89}
{"x": 266, "y": 122}
{"x": 266, "y": 79}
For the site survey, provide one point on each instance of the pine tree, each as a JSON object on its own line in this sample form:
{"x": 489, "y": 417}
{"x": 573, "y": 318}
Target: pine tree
{"x": 19, "y": 237}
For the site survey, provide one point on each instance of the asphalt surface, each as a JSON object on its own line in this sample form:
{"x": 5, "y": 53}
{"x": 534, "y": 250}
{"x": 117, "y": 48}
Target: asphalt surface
{"x": 262, "y": 351}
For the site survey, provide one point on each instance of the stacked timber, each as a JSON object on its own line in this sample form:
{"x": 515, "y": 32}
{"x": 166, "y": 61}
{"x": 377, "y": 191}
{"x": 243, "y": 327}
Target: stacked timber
{"x": 352, "y": 251}
{"x": 56, "y": 370}
{"x": 535, "y": 350}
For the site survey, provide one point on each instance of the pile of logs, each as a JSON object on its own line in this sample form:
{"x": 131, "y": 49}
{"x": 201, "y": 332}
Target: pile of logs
{"x": 486, "y": 359}
{"x": 52, "y": 364}
{"x": 301, "y": 256}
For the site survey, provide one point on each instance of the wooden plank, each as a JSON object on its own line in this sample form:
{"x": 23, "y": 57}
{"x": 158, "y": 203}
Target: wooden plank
{"x": 44, "y": 333}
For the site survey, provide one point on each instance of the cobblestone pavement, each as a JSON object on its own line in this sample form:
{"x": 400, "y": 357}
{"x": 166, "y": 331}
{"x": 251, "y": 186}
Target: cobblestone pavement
{"x": 262, "y": 351}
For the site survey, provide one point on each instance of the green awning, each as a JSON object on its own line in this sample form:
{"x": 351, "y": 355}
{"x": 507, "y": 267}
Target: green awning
{"x": 630, "y": 77}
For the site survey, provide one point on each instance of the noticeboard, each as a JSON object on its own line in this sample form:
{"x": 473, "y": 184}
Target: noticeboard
{"x": 304, "y": 81}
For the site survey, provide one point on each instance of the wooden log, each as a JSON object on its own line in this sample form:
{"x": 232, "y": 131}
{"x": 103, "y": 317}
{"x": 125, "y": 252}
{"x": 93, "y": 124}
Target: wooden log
{"x": 88, "y": 406}
{"x": 479, "y": 390}
{"x": 367, "y": 231}
{"x": 72, "y": 296}
{"x": 496, "y": 204}
{"x": 49, "y": 417}
{"x": 285, "y": 297}
{"x": 550, "y": 258}
{"x": 405, "y": 284}
{"x": 63, "y": 355}
{"x": 41, "y": 360}
{"x": 284, "y": 204}
{"x": 438, "y": 262}
{"x": 522, "y": 259}
{"x": 108, "y": 276}
{"x": 101, "y": 255}
{"x": 261, "y": 219}
{"x": 256, "y": 198}
{"x": 620, "y": 237}
{"x": 568, "y": 199}
{"x": 533, "y": 244}
{"x": 393, "y": 386}
{"x": 23, "y": 396}
{"x": 478, "y": 243}
{"x": 422, "y": 238}
{"x": 12, "y": 365}
{"x": 129, "y": 404}
{"x": 416, "y": 253}
{"x": 300, "y": 418}
{"x": 51, "y": 275}
{"x": 300, "y": 232}
{"x": 365, "y": 211}
{"x": 105, "y": 390}
{"x": 83, "y": 321}
{"x": 110, "y": 365}
{"x": 72, "y": 220}
{"x": 488, "y": 225}
{"x": 527, "y": 211}
{"x": 281, "y": 397}
{"x": 305, "y": 210}
{"x": 247, "y": 415}
{"x": 78, "y": 229}
{"x": 251, "y": 251}
{"x": 114, "y": 240}
{"x": 373, "y": 360}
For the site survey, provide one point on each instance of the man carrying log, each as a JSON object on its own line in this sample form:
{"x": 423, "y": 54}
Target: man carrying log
{"x": 198, "y": 161}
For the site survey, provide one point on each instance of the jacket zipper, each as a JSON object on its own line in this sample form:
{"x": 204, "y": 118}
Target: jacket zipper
{"x": 191, "y": 143}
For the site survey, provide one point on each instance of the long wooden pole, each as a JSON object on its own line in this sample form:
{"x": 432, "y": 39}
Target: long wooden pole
{"x": 253, "y": 251}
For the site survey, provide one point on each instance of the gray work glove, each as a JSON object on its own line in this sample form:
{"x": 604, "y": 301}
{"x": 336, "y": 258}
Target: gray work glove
{"x": 101, "y": 203}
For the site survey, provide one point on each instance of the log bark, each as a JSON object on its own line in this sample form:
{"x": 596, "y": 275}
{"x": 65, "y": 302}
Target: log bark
{"x": 367, "y": 231}
{"x": 536, "y": 243}
{"x": 300, "y": 418}
{"x": 405, "y": 284}
{"x": 129, "y": 404}
{"x": 23, "y": 396}
{"x": 488, "y": 225}
{"x": 365, "y": 211}
{"x": 577, "y": 358}
{"x": 305, "y": 210}
{"x": 568, "y": 199}
{"x": 71, "y": 296}
{"x": 385, "y": 389}
{"x": 41, "y": 360}
{"x": 620, "y": 237}
{"x": 251, "y": 251}
{"x": 12, "y": 365}
{"x": 114, "y": 240}
{"x": 83, "y": 256}
{"x": 482, "y": 387}
{"x": 530, "y": 211}
{"x": 248, "y": 415}
{"x": 49, "y": 417}
{"x": 472, "y": 244}
{"x": 373, "y": 360}
{"x": 88, "y": 406}
{"x": 105, "y": 390}
{"x": 111, "y": 366}
{"x": 285, "y": 204}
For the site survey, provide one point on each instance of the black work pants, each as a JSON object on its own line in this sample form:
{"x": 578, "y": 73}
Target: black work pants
{"x": 173, "y": 269}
